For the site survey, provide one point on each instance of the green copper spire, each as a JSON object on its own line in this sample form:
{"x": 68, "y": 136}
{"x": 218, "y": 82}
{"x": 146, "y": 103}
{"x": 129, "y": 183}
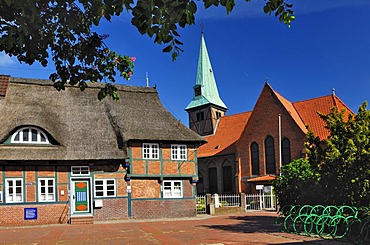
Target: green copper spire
{"x": 205, "y": 89}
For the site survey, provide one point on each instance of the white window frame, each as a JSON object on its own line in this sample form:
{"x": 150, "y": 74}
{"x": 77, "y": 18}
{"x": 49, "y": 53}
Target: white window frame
{"x": 105, "y": 190}
{"x": 150, "y": 150}
{"x": 81, "y": 171}
{"x": 179, "y": 152}
{"x": 39, "y": 136}
{"x": 49, "y": 196}
{"x": 172, "y": 188}
{"x": 14, "y": 195}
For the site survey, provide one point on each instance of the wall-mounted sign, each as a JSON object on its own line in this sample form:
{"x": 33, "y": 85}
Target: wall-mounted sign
{"x": 30, "y": 213}
{"x": 259, "y": 187}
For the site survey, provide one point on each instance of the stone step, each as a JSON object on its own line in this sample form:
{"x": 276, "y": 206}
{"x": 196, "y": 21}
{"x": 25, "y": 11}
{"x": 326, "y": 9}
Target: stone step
{"x": 82, "y": 220}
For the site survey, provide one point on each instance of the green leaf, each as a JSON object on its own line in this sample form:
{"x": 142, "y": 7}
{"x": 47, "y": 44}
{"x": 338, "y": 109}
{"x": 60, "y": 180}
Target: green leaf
{"x": 167, "y": 49}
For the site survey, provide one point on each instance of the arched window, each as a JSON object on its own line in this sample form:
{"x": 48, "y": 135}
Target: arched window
{"x": 227, "y": 179}
{"x": 255, "y": 159}
{"x": 270, "y": 155}
{"x": 29, "y": 135}
{"x": 212, "y": 175}
{"x": 286, "y": 151}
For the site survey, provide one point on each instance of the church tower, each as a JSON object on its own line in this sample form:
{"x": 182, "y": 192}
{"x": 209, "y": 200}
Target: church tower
{"x": 206, "y": 107}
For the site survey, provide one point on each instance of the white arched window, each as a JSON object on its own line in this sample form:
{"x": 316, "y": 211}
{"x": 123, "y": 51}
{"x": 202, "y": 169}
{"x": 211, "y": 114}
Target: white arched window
{"x": 29, "y": 135}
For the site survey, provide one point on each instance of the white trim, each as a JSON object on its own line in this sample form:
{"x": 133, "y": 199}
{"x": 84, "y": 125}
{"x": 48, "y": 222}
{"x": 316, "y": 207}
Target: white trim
{"x": 80, "y": 170}
{"x": 47, "y": 194}
{"x": 105, "y": 189}
{"x": 14, "y": 194}
{"x": 172, "y": 191}
{"x": 179, "y": 152}
{"x": 41, "y": 137}
{"x": 150, "y": 151}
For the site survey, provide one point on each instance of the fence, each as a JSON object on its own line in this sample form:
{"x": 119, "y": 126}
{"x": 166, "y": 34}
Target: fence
{"x": 232, "y": 200}
{"x": 260, "y": 202}
{"x": 207, "y": 204}
{"x": 201, "y": 204}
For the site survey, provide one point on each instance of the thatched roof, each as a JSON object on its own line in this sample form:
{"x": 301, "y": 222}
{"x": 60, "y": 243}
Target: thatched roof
{"x": 83, "y": 127}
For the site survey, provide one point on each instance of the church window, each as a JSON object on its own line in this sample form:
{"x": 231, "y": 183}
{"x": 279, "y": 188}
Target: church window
{"x": 227, "y": 178}
{"x": 270, "y": 156}
{"x": 212, "y": 174}
{"x": 286, "y": 151}
{"x": 255, "y": 159}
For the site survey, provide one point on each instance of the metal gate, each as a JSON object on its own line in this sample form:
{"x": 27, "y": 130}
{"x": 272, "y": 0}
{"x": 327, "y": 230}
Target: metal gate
{"x": 259, "y": 202}
{"x": 201, "y": 204}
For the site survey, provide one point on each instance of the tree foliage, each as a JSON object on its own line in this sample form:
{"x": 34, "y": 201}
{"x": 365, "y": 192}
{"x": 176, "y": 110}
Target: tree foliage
{"x": 344, "y": 162}
{"x": 37, "y": 30}
{"x": 340, "y": 164}
{"x": 298, "y": 184}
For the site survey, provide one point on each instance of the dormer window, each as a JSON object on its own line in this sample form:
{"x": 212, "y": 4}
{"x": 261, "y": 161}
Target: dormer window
{"x": 29, "y": 135}
{"x": 197, "y": 91}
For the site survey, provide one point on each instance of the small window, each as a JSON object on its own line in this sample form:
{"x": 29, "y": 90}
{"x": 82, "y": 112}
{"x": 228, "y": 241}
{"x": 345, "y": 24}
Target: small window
{"x": 14, "y": 190}
{"x": 150, "y": 151}
{"x": 80, "y": 170}
{"x": 29, "y": 135}
{"x": 197, "y": 91}
{"x": 105, "y": 187}
{"x": 200, "y": 116}
{"x": 179, "y": 152}
{"x": 218, "y": 114}
{"x": 172, "y": 189}
{"x": 46, "y": 190}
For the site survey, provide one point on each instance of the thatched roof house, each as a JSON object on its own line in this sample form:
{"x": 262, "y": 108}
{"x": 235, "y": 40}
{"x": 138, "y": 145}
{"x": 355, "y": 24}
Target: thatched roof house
{"x": 80, "y": 126}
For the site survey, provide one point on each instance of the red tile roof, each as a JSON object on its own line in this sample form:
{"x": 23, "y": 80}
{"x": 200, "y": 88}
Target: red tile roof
{"x": 308, "y": 109}
{"x": 268, "y": 177}
{"x": 228, "y": 131}
{"x": 4, "y": 81}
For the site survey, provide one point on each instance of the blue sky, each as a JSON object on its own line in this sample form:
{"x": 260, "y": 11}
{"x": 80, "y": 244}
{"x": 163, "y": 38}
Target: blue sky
{"x": 328, "y": 46}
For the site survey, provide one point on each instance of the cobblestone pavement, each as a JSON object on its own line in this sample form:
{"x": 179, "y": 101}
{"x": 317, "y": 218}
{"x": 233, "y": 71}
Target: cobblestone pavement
{"x": 245, "y": 228}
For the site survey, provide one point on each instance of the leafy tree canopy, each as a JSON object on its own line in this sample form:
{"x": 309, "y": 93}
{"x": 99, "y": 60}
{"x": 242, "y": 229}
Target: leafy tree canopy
{"x": 34, "y": 30}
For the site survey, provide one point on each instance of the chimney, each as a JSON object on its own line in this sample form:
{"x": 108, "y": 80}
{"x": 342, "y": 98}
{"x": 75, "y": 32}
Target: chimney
{"x": 4, "y": 82}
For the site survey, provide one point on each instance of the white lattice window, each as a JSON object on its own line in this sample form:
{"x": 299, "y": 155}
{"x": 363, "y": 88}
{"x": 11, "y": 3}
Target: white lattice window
{"x": 179, "y": 152}
{"x": 80, "y": 170}
{"x": 46, "y": 187}
{"x": 29, "y": 135}
{"x": 172, "y": 189}
{"x": 150, "y": 151}
{"x": 105, "y": 188}
{"x": 14, "y": 190}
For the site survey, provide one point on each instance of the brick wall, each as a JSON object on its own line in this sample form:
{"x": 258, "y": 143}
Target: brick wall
{"x": 145, "y": 188}
{"x": 47, "y": 214}
{"x": 163, "y": 208}
{"x": 113, "y": 209}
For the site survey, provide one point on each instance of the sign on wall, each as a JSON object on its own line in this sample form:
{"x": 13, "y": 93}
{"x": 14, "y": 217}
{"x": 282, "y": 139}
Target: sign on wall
{"x": 30, "y": 213}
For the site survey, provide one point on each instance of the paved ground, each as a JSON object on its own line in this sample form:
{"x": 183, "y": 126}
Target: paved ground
{"x": 246, "y": 228}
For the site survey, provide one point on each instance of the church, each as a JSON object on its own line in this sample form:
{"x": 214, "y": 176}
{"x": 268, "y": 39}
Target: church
{"x": 248, "y": 149}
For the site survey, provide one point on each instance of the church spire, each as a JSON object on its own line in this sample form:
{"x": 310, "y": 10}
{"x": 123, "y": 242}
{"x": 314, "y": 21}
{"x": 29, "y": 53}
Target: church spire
{"x": 205, "y": 89}
{"x": 206, "y": 106}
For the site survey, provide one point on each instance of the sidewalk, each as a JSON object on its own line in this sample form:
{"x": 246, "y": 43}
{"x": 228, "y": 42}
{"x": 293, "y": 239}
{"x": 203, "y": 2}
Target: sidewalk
{"x": 249, "y": 228}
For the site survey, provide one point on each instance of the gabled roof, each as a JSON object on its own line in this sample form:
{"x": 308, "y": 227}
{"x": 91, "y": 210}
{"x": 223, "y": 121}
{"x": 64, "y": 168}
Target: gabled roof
{"x": 308, "y": 109}
{"x": 303, "y": 113}
{"x": 228, "y": 131}
{"x": 206, "y": 81}
{"x": 84, "y": 127}
{"x": 290, "y": 108}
